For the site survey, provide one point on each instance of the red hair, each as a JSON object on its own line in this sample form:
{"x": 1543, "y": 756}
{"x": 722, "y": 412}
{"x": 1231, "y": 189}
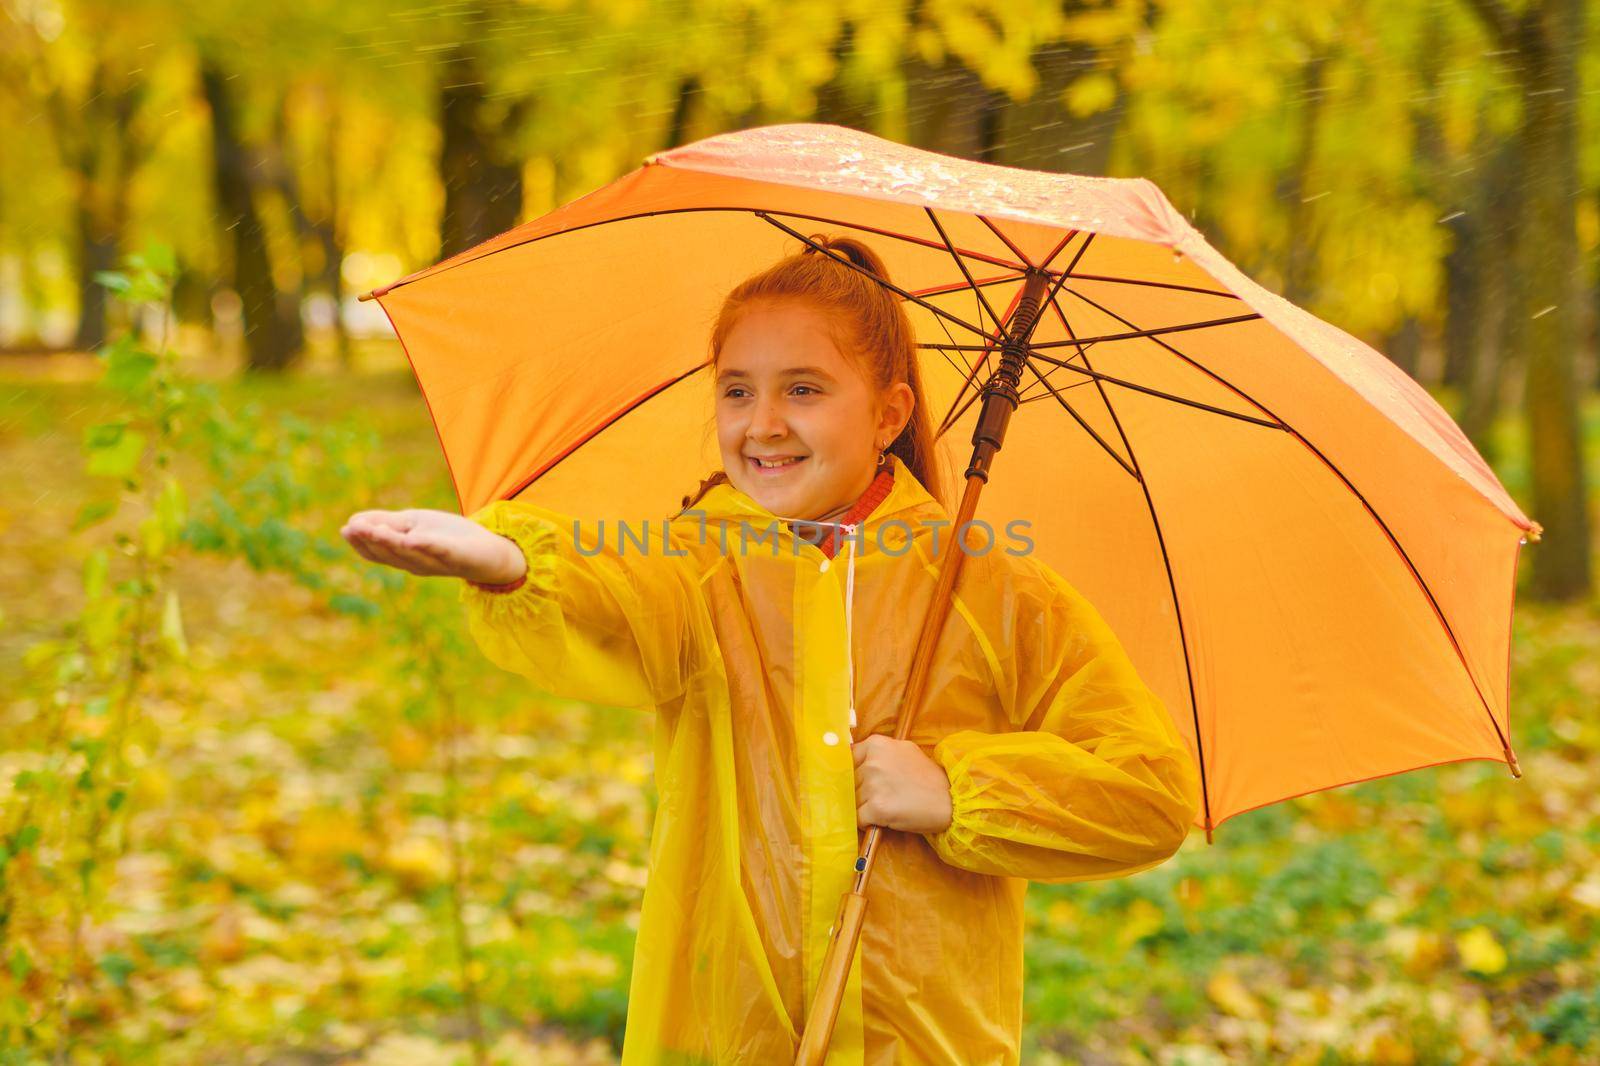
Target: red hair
{"x": 869, "y": 325}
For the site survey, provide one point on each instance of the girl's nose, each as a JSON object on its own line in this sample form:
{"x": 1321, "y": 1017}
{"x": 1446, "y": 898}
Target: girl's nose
{"x": 765, "y": 422}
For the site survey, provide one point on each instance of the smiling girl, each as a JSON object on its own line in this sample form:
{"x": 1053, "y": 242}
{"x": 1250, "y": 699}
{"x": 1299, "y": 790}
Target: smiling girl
{"x": 775, "y": 684}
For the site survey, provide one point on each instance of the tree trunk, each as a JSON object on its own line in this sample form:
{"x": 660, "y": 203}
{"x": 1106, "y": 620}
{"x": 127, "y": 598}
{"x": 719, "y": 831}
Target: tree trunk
{"x": 1462, "y": 292}
{"x": 682, "y": 112}
{"x": 1299, "y": 272}
{"x": 97, "y": 251}
{"x": 329, "y": 231}
{"x": 268, "y": 344}
{"x": 1404, "y": 345}
{"x": 944, "y": 107}
{"x": 101, "y": 149}
{"x": 1480, "y": 304}
{"x": 1043, "y": 134}
{"x": 841, "y": 100}
{"x": 1548, "y": 304}
{"x": 482, "y": 182}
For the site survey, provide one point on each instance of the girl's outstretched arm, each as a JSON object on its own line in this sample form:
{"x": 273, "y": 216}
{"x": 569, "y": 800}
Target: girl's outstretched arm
{"x": 1095, "y": 783}
{"x": 595, "y": 618}
{"x": 580, "y": 619}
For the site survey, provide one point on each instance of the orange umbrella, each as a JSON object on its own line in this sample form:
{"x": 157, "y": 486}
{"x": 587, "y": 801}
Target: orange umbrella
{"x": 1301, "y": 551}
{"x": 1303, "y": 555}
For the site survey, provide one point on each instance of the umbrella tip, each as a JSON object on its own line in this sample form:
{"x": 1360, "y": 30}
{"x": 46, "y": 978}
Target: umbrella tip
{"x": 1511, "y": 761}
{"x": 1535, "y": 531}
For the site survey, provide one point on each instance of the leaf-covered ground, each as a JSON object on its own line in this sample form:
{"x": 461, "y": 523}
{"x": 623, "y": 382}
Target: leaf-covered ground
{"x": 347, "y": 838}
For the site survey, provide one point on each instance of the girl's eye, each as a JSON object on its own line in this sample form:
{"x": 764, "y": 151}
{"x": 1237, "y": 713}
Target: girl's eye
{"x": 736, "y": 391}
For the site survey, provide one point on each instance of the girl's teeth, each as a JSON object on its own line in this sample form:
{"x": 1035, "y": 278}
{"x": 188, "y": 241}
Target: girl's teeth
{"x": 774, "y": 466}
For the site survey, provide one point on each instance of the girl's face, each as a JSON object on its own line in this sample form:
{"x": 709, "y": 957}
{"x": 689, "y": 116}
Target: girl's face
{"x": 784, "y": 391}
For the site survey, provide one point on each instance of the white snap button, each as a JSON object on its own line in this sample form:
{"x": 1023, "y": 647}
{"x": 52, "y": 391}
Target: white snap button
{"x": 830, "y": 738}
{"x": 824, "y": 567}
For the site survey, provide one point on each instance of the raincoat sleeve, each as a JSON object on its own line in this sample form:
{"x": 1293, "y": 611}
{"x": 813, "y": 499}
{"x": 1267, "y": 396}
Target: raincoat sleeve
{"x": 598, "y": 618}
{"x": 1095, "y": 782}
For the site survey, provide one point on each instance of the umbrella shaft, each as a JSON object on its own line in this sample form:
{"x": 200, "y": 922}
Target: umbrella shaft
{"x": 1000, "y": 393}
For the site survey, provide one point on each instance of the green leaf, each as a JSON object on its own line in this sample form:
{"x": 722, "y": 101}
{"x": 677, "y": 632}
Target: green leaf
{"x": 172, "y": 507}
{"x": 93, "y": 512}
{"x": 95, "y": 569}
{"x": 118, "y": 459}
{"x": 119, "y": 345}
{"x": 117, "y": 966}
{"x": 359, "y": 606}
{"x": 128, "y": 369}
{"x": 158, "y": 258}
{"x": 172, "y": 627}
{"x": 113, "y": 280}
{"x": 103, "y": 435}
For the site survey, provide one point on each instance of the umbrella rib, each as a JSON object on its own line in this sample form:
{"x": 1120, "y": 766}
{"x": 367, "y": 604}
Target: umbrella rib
{"x": 1023, "y": 396}
{"x": 982, "y": 257}
{"x": 1156, "y": 392}
{"x": 1372, "y": 511}
{"x": 962, "y": 266}
{"x": 1172, "y": 586}
{"x": 1018, "y": 252}
{"x": 955, "y": 416}
{"x": 603, "y": 426}
{"x": 952, "y": 415}
{"x": 1036, "y": 397}
{"x": 464, "y": 257}
{"x": 1172, "y": 285}
{"x": 964, "y": 364}
{"x": 1086, "y": 427}
{"x": 957, "y": 286}
{"x": 959, "y": 367}
{"x": 1057, "y": 250}
{"x": 886, "y": 283}
{"x": 1135, "y": 334}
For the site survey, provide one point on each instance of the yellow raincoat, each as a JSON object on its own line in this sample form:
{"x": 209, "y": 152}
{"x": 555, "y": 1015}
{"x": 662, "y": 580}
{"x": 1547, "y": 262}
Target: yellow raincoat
{"x": 1063, "y": 766}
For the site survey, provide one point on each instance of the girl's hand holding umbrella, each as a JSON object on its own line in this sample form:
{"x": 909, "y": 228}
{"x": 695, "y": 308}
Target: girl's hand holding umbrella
{"x": 434, "y": 544}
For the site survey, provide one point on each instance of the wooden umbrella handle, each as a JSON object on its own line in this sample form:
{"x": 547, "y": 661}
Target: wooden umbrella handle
{"x": 830, "y": 983}
{"x": 846, "y": 931}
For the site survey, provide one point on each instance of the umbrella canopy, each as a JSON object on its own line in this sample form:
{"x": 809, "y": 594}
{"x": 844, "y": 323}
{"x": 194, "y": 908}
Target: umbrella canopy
{"x": 1303, "y": 555}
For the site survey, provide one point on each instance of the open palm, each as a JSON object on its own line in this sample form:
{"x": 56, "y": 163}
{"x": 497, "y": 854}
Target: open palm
{"x": 434, "y": 544}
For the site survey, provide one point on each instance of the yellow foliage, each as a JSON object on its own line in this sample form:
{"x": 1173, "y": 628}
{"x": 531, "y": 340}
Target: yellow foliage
{"x": 418, "y": 860}
{"x": 408, "y": 748}
{"x": 1090, "y": 94}
{"x": 1142, "y": 919}
{"x": 321, "y": 837}
{"x": 1232, "y": 997}
{"x": 1480, "y": 951}
{"x": 1062, "y": 915}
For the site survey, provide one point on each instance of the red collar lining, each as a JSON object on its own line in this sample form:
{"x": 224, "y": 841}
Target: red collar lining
{"x": 864, "y": 506}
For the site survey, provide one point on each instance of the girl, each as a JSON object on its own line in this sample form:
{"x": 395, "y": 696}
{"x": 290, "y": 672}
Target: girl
{"x": 775, "y": 678}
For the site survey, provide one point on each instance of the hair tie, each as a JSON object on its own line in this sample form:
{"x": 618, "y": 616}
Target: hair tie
{"x": 847, "y": 252}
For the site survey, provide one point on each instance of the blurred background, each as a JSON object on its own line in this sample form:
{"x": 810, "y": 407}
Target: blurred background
{"x": 262, "y": 801}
